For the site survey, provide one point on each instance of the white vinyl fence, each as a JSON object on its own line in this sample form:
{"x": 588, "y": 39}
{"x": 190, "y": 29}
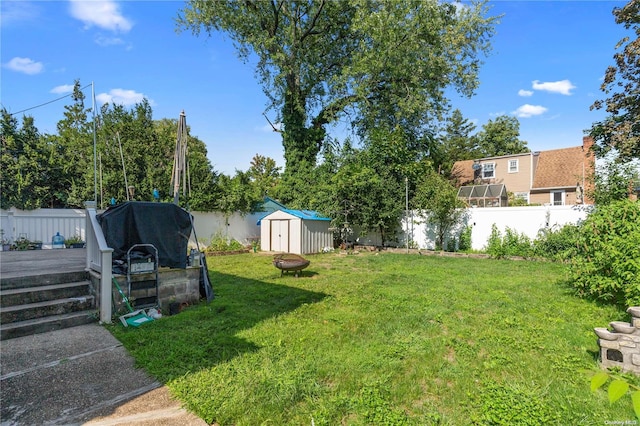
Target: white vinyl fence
{"x": 42, "y": 225}
{"x": 528, "y": 220}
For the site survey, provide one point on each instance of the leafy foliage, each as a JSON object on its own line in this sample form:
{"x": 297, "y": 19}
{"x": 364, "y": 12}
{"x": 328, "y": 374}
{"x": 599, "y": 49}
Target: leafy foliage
{"x": 221, "y": 243}
{"x": 464, "y": 241}
{"x": 607, "y": 264}
{"x": 614, "y": 180}
{"x": 510, "y": 244}
{"x": 557, "y": 243}
{"x": 457, "y": 143}
{"x": 621, "y": 129}
{"x": 619, "y": 384}
{"x": 385, "y": 62}
{"x": 264, "y": 175}
{"x": 501, "y": 137}
{"x": 509, "y": 404}
{"x": 31, "y": 168}
{"x": 236, "y": 194}
{"x": 58, "y": 170}
{"x": 439, "y": 198}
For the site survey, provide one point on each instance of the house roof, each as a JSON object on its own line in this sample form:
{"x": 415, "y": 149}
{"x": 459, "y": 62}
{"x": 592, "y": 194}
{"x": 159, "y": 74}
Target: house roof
{"x": 462, "y": 171}
{"x": 271, "y": 205}
{"x": 558, "y": 168}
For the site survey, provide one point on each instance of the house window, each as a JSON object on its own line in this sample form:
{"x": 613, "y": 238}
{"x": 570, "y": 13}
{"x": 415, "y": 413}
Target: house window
{"x": 488, "y": 170}
{"x": 557, "y": 198}
{"x": 513, "y": 166}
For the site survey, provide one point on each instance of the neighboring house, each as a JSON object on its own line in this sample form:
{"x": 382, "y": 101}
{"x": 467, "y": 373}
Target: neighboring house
{"x": 555, "y": 177}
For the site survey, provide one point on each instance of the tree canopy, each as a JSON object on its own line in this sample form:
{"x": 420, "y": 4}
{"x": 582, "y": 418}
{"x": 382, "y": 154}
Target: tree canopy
{"x": 501, "y": 137}
{"x": 621, "y": 129}
{"x": 385, "y": 62}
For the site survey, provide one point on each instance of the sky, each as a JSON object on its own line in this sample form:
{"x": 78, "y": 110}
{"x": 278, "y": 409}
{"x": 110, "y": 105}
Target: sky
{"x": 546, "y": 66}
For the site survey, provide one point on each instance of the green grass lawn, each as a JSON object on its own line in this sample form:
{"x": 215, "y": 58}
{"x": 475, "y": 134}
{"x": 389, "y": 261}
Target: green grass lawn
{"x": 381, "y": 339}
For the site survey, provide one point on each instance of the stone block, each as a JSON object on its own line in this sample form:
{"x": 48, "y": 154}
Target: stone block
{"x": 609, "y": 344}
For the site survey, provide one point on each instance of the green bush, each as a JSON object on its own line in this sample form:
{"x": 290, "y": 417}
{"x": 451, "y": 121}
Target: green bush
{"x": 221, "y": 243}
{"x": 606, "y": 266}
{"x": 465, "y": 239}
{"x": 557, "y": 243}
{"x": 511, "y": 244}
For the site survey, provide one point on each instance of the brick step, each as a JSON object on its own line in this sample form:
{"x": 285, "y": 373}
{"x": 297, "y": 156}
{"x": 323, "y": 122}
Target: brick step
{"x": 12, "y": 283}
{"x": 47, "y": 308}
{"x": 49, "y": 323}
{"x": 27, "y": 295}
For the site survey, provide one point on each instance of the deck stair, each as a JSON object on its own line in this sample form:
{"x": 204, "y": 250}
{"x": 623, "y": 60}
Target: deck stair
{"x": 40, "y": 303}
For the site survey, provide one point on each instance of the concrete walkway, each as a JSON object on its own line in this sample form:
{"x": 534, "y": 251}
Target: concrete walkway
{"x": 79, "y": 375}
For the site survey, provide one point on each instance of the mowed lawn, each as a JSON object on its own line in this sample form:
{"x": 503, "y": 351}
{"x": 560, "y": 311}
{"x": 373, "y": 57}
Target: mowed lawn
{"x": 383, "y": 339}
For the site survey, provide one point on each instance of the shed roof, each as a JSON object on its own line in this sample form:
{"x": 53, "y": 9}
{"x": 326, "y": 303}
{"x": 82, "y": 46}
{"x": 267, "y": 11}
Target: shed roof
{"x": 305, "y": 214}
{"x": 300, "y": 214}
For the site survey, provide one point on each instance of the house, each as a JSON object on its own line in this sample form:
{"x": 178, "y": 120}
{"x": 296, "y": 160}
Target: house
{"x": 555, "y": 177}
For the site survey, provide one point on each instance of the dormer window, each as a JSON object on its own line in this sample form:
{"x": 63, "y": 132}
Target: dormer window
{"x": 488, "y": 170}
{"x": 513, "y": 166}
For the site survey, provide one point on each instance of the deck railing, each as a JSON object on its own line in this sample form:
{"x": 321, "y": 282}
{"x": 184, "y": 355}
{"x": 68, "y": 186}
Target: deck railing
{"x": 99, "y": 257}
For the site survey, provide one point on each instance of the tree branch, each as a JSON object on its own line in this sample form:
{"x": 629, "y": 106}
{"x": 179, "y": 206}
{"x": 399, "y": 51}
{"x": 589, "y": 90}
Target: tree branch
{"x": 313, "y": 23}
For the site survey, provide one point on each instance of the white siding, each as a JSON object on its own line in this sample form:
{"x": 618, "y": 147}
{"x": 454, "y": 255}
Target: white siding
{"x": 304, "y": 236}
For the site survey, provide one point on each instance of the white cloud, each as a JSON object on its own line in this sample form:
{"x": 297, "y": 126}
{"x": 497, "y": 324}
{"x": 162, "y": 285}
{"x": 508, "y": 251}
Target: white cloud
{"x": 525, "y": 93}
{"x": 103, "y": 14}
{"x": 13, "y": 12}
{"x": 25, "y": 65}
{"x": 65, "y": 88}
{"x": 108, "y": 41}
{"x": 496, "y": 114}
{"x": 121, "y": 97}
{"x": 563, "y": 87}
{"x": 526, "y": 111}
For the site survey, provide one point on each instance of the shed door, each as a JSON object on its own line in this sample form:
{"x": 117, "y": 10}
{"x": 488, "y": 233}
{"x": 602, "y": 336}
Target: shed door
{"x": 280, "y": 235}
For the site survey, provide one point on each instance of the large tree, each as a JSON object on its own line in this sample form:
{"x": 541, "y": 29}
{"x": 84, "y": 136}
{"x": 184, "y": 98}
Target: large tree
{"x": 386, "y": 61}
{"x": 75, "y": 134}
{"x": 457, "y": 143}
{"x": 621, "y": 129}
{"x": 263, "y": 175}
{"x": 501, "y": 137}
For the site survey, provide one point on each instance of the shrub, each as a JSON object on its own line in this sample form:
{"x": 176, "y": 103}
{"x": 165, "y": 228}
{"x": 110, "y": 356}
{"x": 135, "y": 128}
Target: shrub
{"x": 220, "y": 243}
{"x": 464, "y": 243}
{"x": 607, "y": 264}
{"x": 557, "y": 243}
{"x": 494, "y": 243}
{"x": 512, "y": 244}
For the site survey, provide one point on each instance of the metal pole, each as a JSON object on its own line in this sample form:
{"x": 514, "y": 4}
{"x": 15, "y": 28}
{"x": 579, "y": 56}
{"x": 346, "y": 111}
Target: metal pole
{"x": 95, "y": 161}
{"x": 406, "y": 212}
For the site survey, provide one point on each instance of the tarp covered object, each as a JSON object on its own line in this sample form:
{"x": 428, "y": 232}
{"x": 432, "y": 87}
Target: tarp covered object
{"x": 164, "y": 225}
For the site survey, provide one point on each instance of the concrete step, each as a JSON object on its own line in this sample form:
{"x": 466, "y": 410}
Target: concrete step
{"x": 29, "y": 311}
{"x": 49, "y": 323}
{"x": 38, "y": 280}
{"x": 27, "y": 295}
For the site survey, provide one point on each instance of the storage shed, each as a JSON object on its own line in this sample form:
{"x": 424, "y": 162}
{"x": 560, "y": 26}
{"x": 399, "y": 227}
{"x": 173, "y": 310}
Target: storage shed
{"x": 295, "y": 231}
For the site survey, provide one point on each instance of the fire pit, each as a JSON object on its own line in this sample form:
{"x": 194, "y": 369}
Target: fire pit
{"x": 289, "y": 262}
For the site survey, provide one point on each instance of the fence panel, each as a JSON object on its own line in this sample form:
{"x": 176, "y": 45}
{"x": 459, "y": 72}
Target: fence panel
{"x": 42, "y": 224}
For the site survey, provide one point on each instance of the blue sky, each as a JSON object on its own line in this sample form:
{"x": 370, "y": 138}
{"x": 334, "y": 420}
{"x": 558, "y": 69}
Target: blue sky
{"x": 546, "y": 67}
